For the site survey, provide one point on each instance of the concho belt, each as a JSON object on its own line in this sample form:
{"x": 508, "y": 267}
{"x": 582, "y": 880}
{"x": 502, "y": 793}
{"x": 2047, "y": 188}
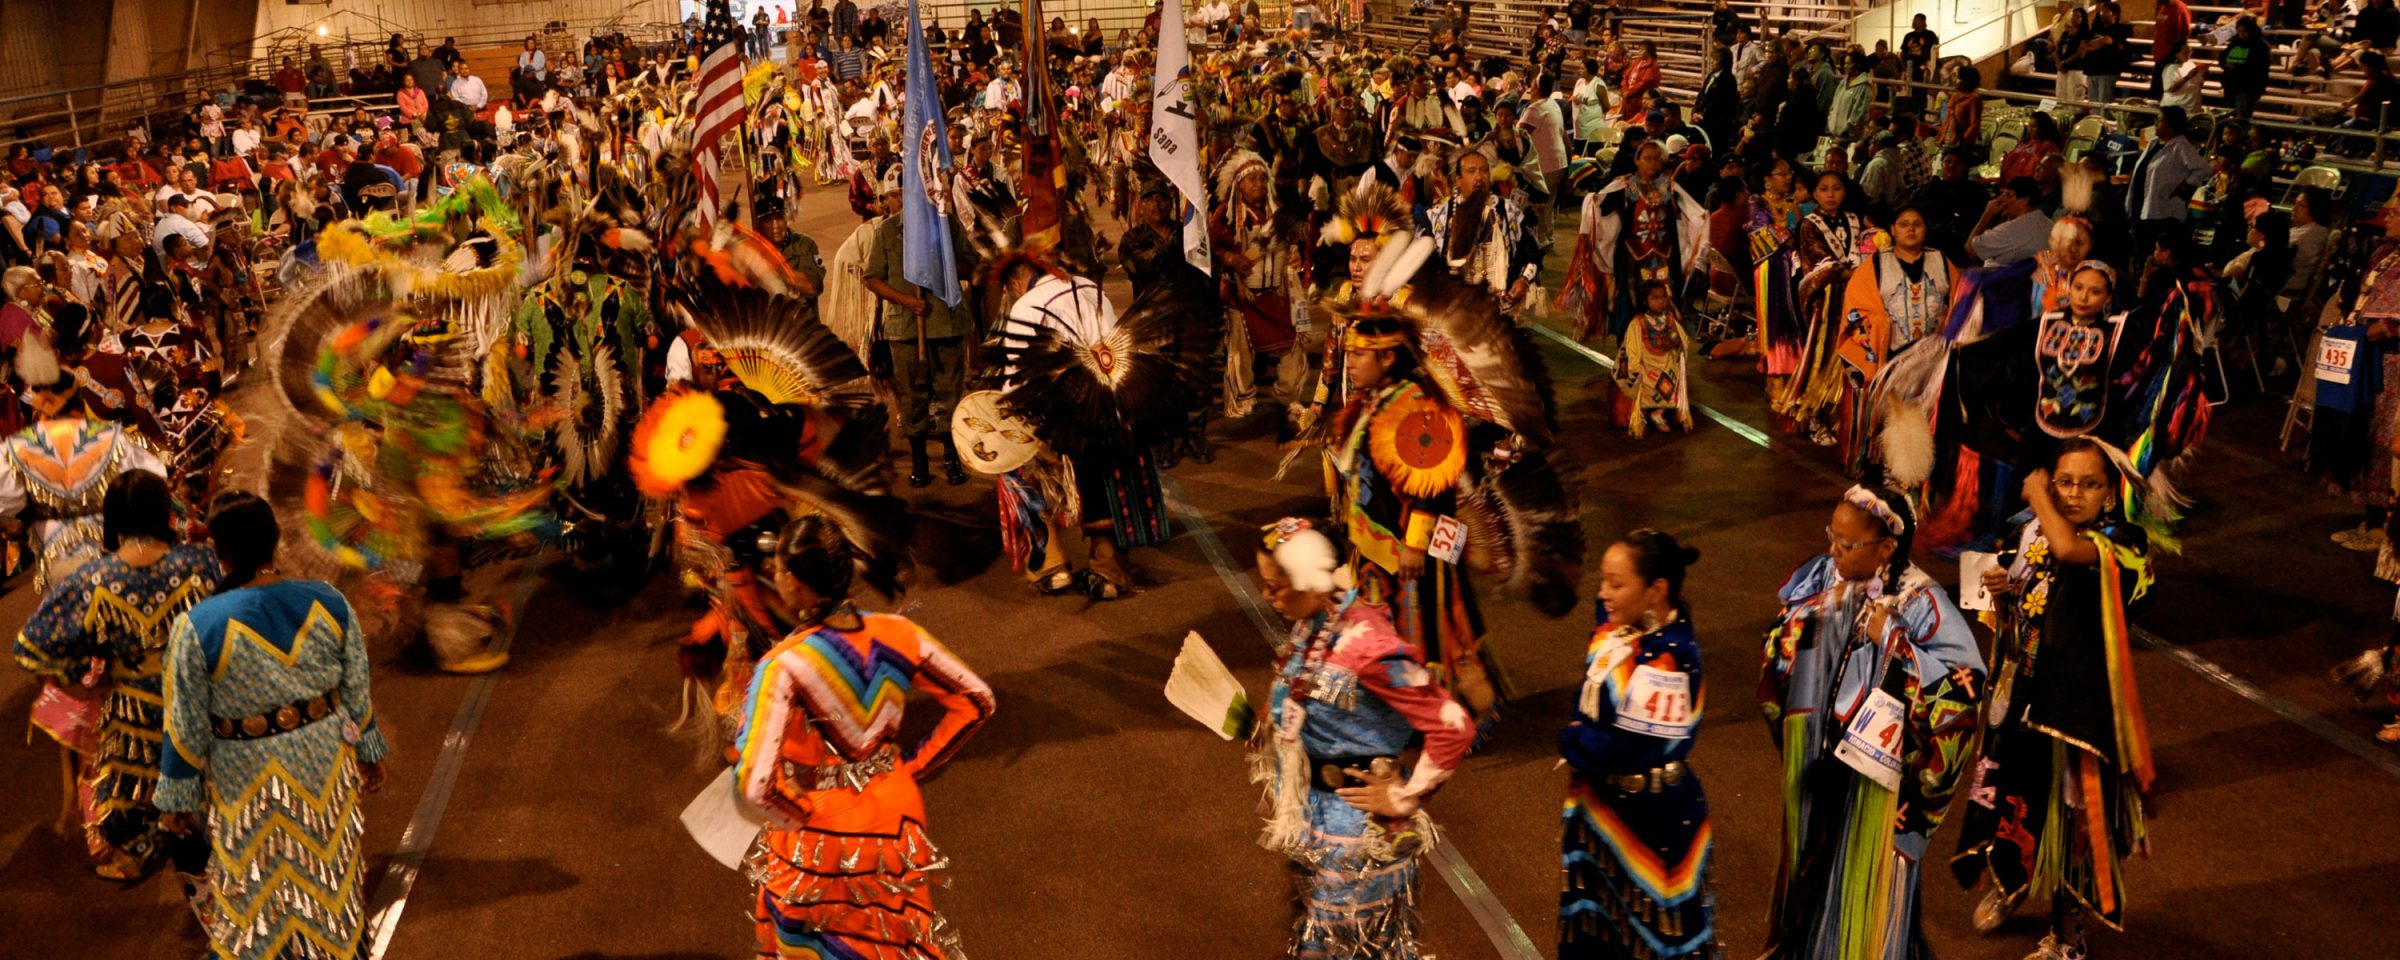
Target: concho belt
{"x": 853, "y": 776}
{"x": 1332, "y": 773}
{"x": 284, "y": 719}
{"x": 1650, "y": 781}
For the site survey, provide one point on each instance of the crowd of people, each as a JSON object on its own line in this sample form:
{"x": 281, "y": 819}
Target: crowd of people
{"x": 506, "y": 317}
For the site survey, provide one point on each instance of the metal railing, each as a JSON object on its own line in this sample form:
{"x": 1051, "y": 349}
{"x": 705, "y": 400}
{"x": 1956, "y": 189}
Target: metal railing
{"x": 81, "y": 117}
{"x": 2381, "y": 135}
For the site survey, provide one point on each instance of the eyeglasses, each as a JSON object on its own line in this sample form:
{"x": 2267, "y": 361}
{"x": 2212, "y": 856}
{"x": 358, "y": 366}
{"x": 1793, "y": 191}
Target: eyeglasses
{"x": 1845, "y": 546}
{"x": 2079, "y": 487}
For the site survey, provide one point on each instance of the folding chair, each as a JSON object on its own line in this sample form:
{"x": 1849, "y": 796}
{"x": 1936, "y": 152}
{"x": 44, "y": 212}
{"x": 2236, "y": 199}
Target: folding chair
{"x": 2326, "y": 177}
{"x": 1605, "y": 146}
{"x": 2001, "y": 145}
{"x": 2212, "y": 353}
{"x": 1720, "y": 298}
{"x": 2300, "y": 415}
{"x": 2087, "y": 132}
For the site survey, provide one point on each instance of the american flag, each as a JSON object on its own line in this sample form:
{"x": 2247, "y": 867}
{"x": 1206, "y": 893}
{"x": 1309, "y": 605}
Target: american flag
{"x": 719, "y": 106}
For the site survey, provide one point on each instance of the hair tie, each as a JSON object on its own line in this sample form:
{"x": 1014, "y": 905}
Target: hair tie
{"x": 1283, "y": 529}
{"x": 1865, "y": 499}
{"x": 2105, "y": 270}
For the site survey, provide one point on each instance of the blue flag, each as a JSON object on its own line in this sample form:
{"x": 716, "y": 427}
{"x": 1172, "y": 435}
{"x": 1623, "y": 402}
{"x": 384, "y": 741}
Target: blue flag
{"x": 927, "y": 258}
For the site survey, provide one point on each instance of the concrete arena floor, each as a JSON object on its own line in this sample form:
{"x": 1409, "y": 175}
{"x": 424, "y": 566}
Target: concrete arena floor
{"x": 1092, "y": 820}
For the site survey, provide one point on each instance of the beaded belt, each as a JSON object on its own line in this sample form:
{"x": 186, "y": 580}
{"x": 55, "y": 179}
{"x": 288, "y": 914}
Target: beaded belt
{"x": 1651, "y": 781}
{"x": 853, "y": 776}
{"x": 284, "y": 719}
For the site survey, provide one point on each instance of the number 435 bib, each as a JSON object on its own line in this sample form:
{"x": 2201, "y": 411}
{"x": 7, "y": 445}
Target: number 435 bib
{"x": 1872, "y": 743}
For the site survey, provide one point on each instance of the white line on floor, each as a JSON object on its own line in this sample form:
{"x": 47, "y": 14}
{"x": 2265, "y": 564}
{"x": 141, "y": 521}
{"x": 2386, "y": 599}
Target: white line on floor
{"x": 400, "y": 878}
{"x": 1608, "y": 363}
{"x": 1506, "y": 935}
{"x": 2374, "y": 754}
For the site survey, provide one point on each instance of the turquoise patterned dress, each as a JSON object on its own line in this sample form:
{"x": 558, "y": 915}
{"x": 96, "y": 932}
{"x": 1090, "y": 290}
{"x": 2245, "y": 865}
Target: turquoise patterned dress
{"x": 118, "y": 615}
{"x": 283, "y": 816}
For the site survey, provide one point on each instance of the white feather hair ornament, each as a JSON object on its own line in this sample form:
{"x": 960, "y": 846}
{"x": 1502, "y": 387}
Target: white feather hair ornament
{"x": 2075, "y": 185}
{"x": 1908, "y": 444}
{"x": 1308, "y": 559}
{"x": 37, "y": 364}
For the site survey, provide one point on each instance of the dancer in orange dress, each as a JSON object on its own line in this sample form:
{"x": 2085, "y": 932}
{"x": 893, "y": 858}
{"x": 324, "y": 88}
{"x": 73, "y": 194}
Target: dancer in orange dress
{"x": 842, "y": 868}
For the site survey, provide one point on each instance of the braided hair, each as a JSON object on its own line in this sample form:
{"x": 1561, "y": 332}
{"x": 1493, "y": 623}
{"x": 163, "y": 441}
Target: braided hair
{"x": 1897, "y": 504}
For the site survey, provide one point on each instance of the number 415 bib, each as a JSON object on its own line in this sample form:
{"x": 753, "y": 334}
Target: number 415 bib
{"x": 1657, "y": 702}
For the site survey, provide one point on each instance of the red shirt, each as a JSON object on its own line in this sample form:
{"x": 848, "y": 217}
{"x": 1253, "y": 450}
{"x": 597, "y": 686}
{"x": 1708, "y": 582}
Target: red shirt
{"x": 1728, "y": 232}
{"x": 333, "y": 163}
{"x": 401, "y": 158}
{"x": 2171, "y": 26}
{"x": 290, "y": 80}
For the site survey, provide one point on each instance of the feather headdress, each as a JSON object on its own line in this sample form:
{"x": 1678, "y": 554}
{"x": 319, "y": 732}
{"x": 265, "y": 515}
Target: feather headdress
{"x": 1237, "y": 165}
{"x": 1483, "y": 364}
{"x": 1372, "y": 210}
{"x": 1521, "y": 518}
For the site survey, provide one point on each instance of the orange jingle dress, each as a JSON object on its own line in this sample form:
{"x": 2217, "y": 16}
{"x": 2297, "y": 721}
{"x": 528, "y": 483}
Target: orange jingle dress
{"x": 842, "y": 868}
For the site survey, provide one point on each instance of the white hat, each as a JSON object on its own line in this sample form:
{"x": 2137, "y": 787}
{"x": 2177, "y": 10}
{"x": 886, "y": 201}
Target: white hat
{"x": 891, "y": 180}
{"x": 1676, "y": 143}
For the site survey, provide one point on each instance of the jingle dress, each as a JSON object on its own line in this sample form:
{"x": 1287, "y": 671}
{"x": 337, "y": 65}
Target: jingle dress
{"x": 1350, "y": 691}
{"x": 821, "y": 758}
{"x": 1773, "y": 221}
{"x": 268, "y": 718}
{"x": 53, "y": 476}
{"x": 1828, "y": 248}
{"x": 1853, "y": 846}
{"x": 2055, "y": 804}
{"x": 116, "y": 615}
{"x": 2352, "y": 448}
{"x": 1637, "y": 830}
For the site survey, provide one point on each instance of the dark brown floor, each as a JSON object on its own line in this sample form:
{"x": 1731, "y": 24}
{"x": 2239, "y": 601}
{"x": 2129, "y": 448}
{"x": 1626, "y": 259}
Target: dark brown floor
{"x": 1092, "y": 820}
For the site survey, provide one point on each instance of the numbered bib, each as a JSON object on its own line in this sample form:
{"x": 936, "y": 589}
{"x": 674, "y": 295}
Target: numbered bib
{"x": 1449, "y": 540}
{"x": 1871, "y": 744}
{"x": 1657, "y": 702}
{"x": 2334, "y": 359}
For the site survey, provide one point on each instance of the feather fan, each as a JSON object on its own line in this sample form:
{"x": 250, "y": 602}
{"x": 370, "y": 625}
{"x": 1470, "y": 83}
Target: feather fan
{"x": 2361, "y": 675}
{"x": 1204, "y": 690}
